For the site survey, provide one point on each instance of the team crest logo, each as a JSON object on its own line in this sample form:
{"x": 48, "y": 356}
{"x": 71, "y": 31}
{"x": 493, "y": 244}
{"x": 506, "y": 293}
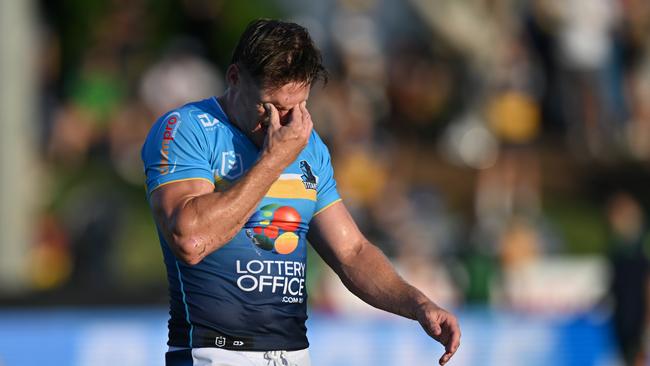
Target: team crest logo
{"x": 308, "y": 177}
{"x": 232, "y": 166}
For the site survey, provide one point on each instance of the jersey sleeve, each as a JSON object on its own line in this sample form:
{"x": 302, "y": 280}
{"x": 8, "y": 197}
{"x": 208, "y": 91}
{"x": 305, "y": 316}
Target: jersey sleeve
{"x": 176, "y": 149}
{"x": 326, "y": 192}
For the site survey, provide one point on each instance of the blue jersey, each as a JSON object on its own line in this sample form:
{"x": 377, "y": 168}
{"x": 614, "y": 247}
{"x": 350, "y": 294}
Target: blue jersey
{"x": 249, "y": 294}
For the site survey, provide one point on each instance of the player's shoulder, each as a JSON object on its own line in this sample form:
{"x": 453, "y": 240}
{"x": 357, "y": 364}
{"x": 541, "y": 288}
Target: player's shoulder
{"x": 315, "y": 141}
{"x": 316, "y": 148}
{"x": 203, "y": 117}
{"x": 192, "y": 123}
{"x": 202, "y": 113}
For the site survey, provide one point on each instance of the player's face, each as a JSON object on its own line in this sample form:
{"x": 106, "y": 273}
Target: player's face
{"x": 250, "y": 99}
{"x": 285, "y": 98}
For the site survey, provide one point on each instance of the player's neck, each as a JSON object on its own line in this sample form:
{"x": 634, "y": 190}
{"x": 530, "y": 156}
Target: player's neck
{"x": 256, "y": 136}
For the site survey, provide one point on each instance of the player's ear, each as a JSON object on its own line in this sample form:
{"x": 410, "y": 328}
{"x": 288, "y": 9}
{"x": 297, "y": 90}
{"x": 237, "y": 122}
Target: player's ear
{"x": 233, "y": 76}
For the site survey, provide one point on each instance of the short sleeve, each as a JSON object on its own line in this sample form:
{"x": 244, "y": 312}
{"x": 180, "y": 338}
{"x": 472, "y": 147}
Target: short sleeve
{"x": 176, "y": 149}
{"x": 326, "y": 192}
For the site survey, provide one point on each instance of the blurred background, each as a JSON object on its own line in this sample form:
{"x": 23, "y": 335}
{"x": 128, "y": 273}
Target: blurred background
{"x": 498, "y": 151}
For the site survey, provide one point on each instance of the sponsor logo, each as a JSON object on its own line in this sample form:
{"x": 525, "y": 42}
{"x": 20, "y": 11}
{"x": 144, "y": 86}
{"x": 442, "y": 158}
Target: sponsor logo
{"x": 207, "y": 120}
{"x": 237, "y": 343}
{"x": 220, "y": 341}
{"x": 292, "y": 300}
{"x": 273, "y": 228}
{"x": 308, "y": 178}
{"x": 286, "y": 278}
{"x": 232, "y": 166}
{"x": 171, "y": 126}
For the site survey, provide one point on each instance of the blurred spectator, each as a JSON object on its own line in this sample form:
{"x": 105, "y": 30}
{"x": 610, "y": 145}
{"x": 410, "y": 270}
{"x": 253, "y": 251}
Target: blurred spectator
{"x": 80, "y": 126}
{"x": 51, "y": 264}
{"x": 630, "y": 285}
{"x": 420, "y": 89}
{"x": 590, "y": 74}
{"x": 638, "y": 127}
{"x": 94, "y": 217}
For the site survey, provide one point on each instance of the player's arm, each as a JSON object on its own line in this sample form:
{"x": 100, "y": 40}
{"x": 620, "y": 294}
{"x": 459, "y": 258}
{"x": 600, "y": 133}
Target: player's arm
{"x": 196, "y": 221}
{"x": 366, "y": 272}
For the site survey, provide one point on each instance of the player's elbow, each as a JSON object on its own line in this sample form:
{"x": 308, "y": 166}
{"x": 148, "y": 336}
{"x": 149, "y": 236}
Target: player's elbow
{"x": 191, "y": 246}
{"x": 186, "y": 242}
{"x": 350, "y": 254}
{"x": 193, "y": 240}
{"x": 189, "y": 250}
{"x": 191, "y": 260}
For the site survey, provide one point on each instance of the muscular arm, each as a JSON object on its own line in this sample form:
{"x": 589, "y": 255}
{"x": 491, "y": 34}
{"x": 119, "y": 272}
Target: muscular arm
{"x": 367, "y": 273}
{"x": 196, "y": 221}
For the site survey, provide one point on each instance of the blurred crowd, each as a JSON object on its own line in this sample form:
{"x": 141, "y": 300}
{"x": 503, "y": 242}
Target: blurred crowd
{"x": 477, "y": 142}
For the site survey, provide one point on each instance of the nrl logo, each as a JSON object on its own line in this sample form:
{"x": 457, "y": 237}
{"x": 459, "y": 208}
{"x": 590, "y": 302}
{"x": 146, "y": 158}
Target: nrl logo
{"x": 220, "y": 341}
{"x": 232, "y": 166}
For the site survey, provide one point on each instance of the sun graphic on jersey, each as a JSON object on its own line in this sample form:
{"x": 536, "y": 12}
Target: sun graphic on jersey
{"x": 273, "y": 228}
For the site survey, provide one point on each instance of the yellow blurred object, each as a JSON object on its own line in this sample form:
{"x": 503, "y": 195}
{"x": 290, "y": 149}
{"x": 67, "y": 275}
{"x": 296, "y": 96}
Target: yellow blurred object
{"x": 360, "y": 177}
{"x": 519, "y": 243}
{"x": 51, "y": 267}
{"x": 514, "y": 117}
{"x": 50, "y": 257}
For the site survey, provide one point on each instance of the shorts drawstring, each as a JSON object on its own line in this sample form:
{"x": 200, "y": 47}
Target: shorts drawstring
{"x": 277, "y": 358}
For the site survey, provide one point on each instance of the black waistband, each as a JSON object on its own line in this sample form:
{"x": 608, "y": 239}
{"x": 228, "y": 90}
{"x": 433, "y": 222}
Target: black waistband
{"x": 201, "y": 337}
{"x": 220, "y": 340}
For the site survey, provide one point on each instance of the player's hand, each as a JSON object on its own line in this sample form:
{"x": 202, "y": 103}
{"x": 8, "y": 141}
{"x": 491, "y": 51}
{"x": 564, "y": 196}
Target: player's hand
{"x": 284, "y": 142}
{"x": 442, "y": 326}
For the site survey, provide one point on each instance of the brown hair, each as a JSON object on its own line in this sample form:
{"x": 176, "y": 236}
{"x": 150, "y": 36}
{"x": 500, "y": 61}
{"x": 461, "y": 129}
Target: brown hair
{"x": 275, "y": 53}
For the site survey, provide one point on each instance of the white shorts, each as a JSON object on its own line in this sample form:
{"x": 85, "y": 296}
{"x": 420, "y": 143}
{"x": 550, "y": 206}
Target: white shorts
{"x": 222, "y": 357}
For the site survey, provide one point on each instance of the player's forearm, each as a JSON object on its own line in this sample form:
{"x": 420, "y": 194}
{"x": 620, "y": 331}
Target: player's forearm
{"x": 207, "y": 222}
{"x": 370, "y": 276}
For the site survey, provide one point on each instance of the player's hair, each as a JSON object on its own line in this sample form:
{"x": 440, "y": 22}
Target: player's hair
{"x": 275, "y": 53}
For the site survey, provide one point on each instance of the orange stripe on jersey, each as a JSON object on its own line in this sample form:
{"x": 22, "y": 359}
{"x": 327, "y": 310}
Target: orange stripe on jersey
{"x": 291, "y": 188}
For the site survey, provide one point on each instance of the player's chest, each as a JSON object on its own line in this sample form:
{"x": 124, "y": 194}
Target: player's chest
{"x": 299, "y": 180}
